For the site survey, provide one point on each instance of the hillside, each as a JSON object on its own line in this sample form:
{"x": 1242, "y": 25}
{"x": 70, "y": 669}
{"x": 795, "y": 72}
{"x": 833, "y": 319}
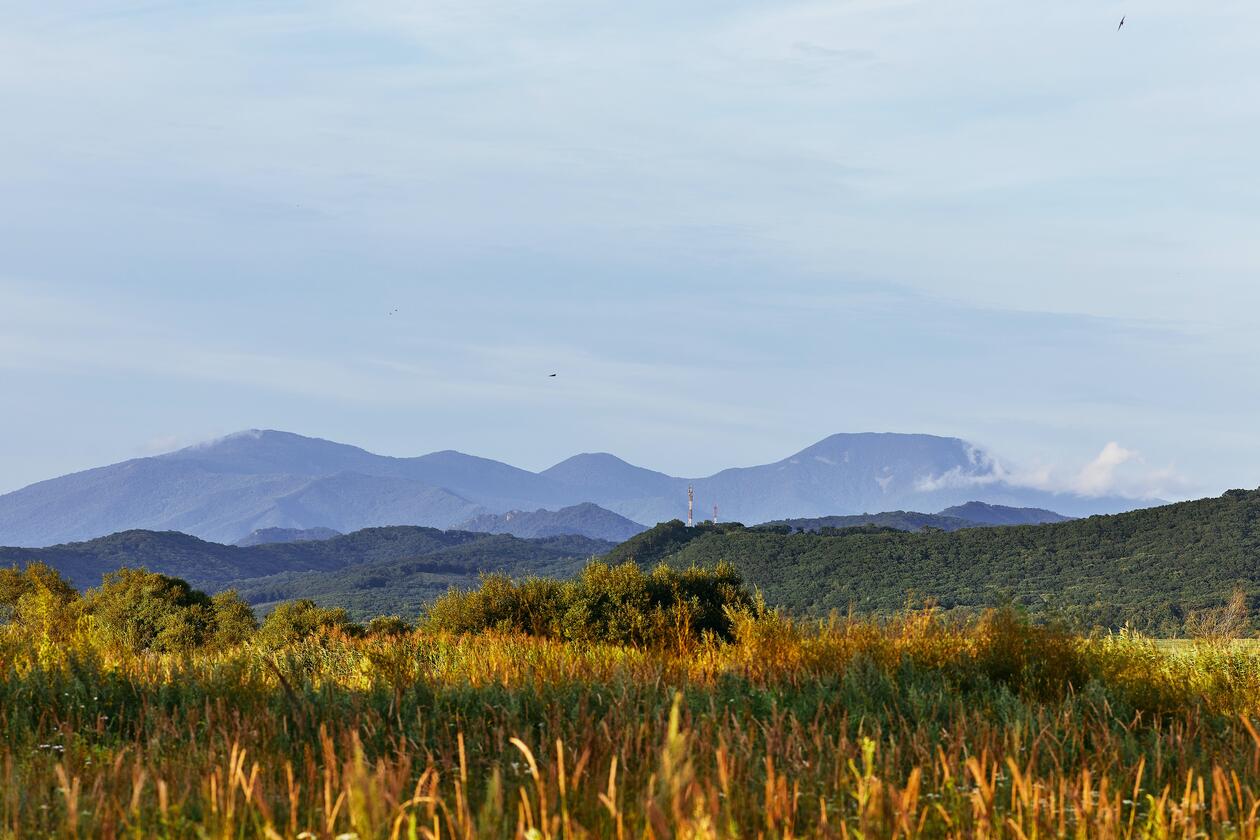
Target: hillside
{"x": 213, "y": 566}
{"x": 969, "y": 515}
{"x": 585, "y": 520}
{"x": 224, "y": 489}
{"x": 404, "y": 587}
{"x": 1148, "y": 567}
{"x": 900, "y": 520}
{"x": 986, "y": 514}
{"x": 264, "y": 536}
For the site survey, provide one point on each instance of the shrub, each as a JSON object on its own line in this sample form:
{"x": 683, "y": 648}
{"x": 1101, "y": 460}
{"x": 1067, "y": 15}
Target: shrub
{"x": 388, "y": 625}
{"x": 532, "y": 606}
{"x": 234, "y": 620}
{"x": 295, "y": 620}
{"x": 616, "y": 604}
{"x": 38, "y": 599}
{"x": 137, "y": 610}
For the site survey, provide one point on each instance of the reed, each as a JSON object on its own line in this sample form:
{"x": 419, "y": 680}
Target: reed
{"x": 915, "y": 727}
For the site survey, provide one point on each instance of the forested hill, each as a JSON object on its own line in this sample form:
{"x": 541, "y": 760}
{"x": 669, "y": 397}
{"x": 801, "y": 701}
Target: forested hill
{"x": 214, "y": 566}
{"x": 1148, "y": 567}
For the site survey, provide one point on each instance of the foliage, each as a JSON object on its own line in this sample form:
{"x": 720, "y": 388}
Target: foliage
{"x": 388, "y": 625}
{"x": 38, "y": 598}
{"x": 234, "y": 620}
{"x": 137, "y": 610}
{"x": 296, "y": 620}
{"x": 1147, "y": 569}
{"x": 610, "y": 604}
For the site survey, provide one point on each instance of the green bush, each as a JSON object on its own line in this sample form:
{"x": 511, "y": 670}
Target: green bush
{"x": 38, "y": 599}
{"x": 138, "y": 610}
{"x": 234, "y": 620}
{"x": 388, "y": 625}
{"x": 295, "y": 620}
{"x": 617, "y": 604}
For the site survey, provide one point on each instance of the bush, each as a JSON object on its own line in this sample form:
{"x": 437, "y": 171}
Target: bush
{"x": 388, "y": 625}
{"x": 234, "y": 620}
{"x": 138, "y": 610}
{"x": 38, "y": 599}
{"x": 616, "y": 604}
{"x": 295, "y": 620}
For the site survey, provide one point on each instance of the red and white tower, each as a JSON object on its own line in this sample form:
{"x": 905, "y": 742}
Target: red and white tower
{"x": 691, "y": 506}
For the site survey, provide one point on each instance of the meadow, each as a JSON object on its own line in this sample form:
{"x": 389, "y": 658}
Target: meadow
{"x": 916, "y": 726}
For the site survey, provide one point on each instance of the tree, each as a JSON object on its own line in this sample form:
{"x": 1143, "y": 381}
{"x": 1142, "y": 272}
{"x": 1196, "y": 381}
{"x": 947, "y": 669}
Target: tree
{"x": 138, "y": 610}
{"x": 295, "y": 620}
{"x": 38, "y": 599}
{"x": 234, "y": 620}
{"x": 388, "y": 625}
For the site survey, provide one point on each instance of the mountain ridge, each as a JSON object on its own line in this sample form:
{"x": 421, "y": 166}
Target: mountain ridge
{"x": 222, "y": 490}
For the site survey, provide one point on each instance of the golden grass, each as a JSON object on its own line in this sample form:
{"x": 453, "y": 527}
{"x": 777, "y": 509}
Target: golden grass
{"x": 914, "y": 728}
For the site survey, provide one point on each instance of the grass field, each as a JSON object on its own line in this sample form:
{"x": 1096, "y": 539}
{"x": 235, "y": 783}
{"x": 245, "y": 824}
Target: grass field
{"x": 915, "y": 728}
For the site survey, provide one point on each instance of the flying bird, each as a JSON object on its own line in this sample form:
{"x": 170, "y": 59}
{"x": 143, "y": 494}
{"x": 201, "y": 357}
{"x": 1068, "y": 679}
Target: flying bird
{"x": 1121, "y": 26}
{"x": 550, "y": 375}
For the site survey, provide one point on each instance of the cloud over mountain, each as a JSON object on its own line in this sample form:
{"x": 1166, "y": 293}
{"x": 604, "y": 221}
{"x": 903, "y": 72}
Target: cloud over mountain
{"x": 226, "y": 488}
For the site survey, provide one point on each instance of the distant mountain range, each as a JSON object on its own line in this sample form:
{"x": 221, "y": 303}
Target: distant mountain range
{"x": 388, "y": 568}
{"x": 228, "y": 488}
{"x": 1151, "y": 567}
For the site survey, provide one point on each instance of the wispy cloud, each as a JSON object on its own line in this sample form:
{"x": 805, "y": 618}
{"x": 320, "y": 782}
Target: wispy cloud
{"x": 1098, "y": 477}
{"x": 1114, "y": 471}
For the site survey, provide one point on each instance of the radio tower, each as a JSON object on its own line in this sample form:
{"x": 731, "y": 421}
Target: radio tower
{"x": 691, "y": 504}
{"x": 715, "y": 514}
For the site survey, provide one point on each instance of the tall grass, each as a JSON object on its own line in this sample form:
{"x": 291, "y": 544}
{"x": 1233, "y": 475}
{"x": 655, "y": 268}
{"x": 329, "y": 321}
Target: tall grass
{"x": 914, "y": 728}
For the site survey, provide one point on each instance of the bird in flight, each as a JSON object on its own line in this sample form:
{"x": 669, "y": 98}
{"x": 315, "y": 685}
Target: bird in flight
{"x": 1121, "y": 26}
{"x": 550, "y": 375}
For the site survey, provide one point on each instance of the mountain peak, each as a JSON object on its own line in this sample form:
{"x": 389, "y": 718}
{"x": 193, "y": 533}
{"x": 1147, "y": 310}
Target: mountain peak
{"x": 266, "y": 478}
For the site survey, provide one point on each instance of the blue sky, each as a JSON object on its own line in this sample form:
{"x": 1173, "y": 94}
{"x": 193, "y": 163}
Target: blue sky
{"x": 731, "y": 228}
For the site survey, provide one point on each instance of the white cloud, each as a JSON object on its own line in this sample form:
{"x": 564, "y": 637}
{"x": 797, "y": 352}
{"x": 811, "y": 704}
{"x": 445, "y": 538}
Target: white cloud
{"x": 1098, "y": 477}
{"x": 1114, "y": 471}
{"x": 956, "y": 478}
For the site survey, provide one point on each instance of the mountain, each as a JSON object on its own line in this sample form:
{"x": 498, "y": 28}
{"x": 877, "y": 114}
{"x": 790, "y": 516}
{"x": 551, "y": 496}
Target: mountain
{"x": 586, "y": 520}
{"x": 847, "y": 474}
{"x": 225, "y": 489}
{"x": 969, "y": 515}
{"x": 608, "y": 478}
{"x": 213, "y": 566}
{"x": 403, "y": 587}
{"x": 898, "y": 520}
{"x": 986, "y": 514}
{"x": 1149, "y": 568}
{"x": 265, "y": 536}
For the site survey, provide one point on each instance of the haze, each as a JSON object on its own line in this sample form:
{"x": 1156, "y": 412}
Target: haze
{"x": 730, "y": 229}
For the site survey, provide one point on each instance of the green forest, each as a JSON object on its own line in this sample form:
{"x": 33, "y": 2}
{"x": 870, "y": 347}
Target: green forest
{"x": 1151, "y": 569}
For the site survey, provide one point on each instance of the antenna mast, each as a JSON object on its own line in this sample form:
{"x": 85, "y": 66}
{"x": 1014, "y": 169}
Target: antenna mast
{"x": 691, "y": 504}
{"x": 715, "y": 514}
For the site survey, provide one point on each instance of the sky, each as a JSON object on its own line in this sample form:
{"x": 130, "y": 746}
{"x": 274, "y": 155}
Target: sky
{"x": 731, "y": 229}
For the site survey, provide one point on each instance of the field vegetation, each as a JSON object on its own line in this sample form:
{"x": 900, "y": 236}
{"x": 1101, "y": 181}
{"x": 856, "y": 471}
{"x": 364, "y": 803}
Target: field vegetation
{"x": 670, "y": 704}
